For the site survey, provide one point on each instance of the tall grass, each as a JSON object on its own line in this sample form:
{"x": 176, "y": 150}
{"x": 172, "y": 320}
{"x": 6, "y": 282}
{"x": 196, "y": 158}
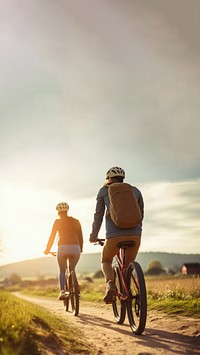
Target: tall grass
{"x": 169, "y": 294}
{"x": 175, "y": 296}
{"x": 30, "y": 329}
{"x": 175, "y": 302}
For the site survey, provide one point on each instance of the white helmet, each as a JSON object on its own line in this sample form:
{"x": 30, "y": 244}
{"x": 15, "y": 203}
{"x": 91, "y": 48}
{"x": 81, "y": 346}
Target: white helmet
{"x": 115, "y": 171}
{"x": 62, "y": 206}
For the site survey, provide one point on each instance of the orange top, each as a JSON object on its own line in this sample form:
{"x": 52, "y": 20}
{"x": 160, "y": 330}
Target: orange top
{"x": 69, "y": 232}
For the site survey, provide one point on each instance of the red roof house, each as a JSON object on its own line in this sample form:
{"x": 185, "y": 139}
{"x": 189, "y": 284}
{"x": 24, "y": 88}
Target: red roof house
{"x": 190, "y": 269}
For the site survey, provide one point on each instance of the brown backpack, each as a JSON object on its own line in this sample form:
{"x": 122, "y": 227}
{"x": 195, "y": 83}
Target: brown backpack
{"x": 124, "y": 208}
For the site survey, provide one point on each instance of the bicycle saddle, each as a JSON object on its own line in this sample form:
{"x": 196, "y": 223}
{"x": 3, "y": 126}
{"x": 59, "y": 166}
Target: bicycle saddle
{"x": 126, "y": 244}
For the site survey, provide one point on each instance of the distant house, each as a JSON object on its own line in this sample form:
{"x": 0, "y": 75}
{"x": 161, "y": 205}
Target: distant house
{"x": 190, "y": 269}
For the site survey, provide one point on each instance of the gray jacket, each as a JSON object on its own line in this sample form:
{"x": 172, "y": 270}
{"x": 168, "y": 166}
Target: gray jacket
{"x": 111, "y": 229}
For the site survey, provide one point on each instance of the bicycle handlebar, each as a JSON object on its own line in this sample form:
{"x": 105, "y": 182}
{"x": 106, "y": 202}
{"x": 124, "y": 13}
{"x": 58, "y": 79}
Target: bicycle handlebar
{"x": 52, "y": 253}
{"x": 99, "y": 242}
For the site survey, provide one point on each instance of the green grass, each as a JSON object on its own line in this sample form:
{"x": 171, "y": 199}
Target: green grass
{"x": 90, "y": 291}
{"x": 41, "y": 292}
{"x": 177, "y": 301}
{"x": 29, "y": 329}
{"x": 171, "y": 295}
{"x": 185, "y": 303}
{"x": 175, "y": 307}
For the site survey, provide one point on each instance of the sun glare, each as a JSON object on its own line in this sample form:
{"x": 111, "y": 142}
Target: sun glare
{"x": 26, "y": 228}
{"x": 28, "y": 214}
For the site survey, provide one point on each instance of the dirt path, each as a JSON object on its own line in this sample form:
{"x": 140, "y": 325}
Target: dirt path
{"x": 163, "y": 334}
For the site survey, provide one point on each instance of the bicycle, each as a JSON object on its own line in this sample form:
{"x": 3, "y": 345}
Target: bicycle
{"x": 130, "y": 294}
{"x": 72, "y": 290}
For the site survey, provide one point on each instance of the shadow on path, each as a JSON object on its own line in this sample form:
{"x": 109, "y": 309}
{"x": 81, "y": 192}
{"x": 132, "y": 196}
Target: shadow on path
{"x": 172, "y": 342}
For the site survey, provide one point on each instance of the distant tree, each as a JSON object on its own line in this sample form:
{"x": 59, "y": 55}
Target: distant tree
{"x": 174, "y": 270}
{"x": 171, "y": 271}
{"x": 155, "y": 268}
{"x": 88, "y": 279}
{"x": 98, "y": 274}
{"x": 15, "y": 279}
{"x": 40, "y": 277}
{"x": 155, "y": 263}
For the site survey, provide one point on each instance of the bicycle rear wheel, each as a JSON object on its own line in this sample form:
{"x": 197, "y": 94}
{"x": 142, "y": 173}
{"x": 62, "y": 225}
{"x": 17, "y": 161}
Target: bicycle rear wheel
{"x": 74, "y": 293}
{"x": 119, "y": 306}
{"x": 137, "y": 303}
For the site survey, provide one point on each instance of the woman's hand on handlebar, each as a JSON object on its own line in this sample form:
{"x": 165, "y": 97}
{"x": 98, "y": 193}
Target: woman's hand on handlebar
{"x": 46, "y": 252}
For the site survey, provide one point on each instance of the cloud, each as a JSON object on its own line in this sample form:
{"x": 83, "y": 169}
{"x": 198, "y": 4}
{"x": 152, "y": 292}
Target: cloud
{"x": 77, "y": 89}
{"x": 172, "y": 216}
{"x": 171, "y": 222}
{"x": 86, "y": 88}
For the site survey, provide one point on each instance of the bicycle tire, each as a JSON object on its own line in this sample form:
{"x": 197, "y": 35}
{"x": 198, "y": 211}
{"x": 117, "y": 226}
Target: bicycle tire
{"x": 66, "y": 300}
{"x": 74, "y": 293}
{"x": 119, "y": 306}
{"x": 137, "y": 302}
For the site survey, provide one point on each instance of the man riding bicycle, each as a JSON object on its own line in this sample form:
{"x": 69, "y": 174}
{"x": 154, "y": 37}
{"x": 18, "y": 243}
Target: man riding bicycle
{"x": 115, "y": 234}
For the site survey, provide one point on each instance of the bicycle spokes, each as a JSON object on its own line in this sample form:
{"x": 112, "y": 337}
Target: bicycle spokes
{"x": 136, "y": 304}
{"x": 119, "y": 306}
{"x": 74, "y": 293}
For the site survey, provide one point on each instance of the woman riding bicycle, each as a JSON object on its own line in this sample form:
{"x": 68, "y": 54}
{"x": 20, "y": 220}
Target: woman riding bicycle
{"x": 114, "y": 234}
{"x": 70, "y": 242}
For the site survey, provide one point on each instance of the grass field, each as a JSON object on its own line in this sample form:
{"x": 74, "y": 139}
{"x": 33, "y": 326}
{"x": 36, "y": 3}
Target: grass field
{"x": 30, "y": 329}
{"x": 173, "y": 295}
{"x": 177, "y": 295}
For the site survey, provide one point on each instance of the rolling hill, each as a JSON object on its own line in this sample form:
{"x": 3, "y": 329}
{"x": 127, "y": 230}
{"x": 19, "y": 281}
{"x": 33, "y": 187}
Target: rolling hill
{"x": 90, "y": 263}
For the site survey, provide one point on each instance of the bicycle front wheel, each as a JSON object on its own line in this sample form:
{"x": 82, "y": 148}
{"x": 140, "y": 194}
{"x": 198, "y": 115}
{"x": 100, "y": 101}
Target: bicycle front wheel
{"x": 66, "y": 300}
{"x": 119, "y": 306}
{"x": 137, "y": 302}
{"x": 74, "y": 293}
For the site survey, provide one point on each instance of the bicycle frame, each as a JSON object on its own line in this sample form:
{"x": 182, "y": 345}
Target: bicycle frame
{"x": 120, "y": 258}
{"x": 130, "y": 295}
{"x": 71, "y": 282}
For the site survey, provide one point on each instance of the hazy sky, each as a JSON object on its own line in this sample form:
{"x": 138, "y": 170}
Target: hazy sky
{"x": 86, "y": 85}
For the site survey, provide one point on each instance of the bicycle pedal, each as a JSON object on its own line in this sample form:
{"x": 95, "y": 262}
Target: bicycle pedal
{"x": 109, "y": 298}
{"x": 110, "y": 302}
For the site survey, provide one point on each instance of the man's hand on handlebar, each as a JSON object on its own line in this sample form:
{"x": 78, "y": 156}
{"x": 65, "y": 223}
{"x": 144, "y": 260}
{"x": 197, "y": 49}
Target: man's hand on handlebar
{"x": 93, "y": 241}
{"x": 99, "y": 241}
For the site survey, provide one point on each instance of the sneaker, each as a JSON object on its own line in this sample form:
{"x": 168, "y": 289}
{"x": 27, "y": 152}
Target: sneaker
{"x": 62, "y": 295}
{"x": 110, "y": 292}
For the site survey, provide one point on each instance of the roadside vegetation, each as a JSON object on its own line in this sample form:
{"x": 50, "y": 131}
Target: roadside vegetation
{"x": 169, "y": 294}
{"x": 177, "y": 295}
{"x": 29, "y": 329}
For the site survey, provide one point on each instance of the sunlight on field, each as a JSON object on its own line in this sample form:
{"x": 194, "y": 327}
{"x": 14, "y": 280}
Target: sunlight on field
{"x": 164, "y": 285}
